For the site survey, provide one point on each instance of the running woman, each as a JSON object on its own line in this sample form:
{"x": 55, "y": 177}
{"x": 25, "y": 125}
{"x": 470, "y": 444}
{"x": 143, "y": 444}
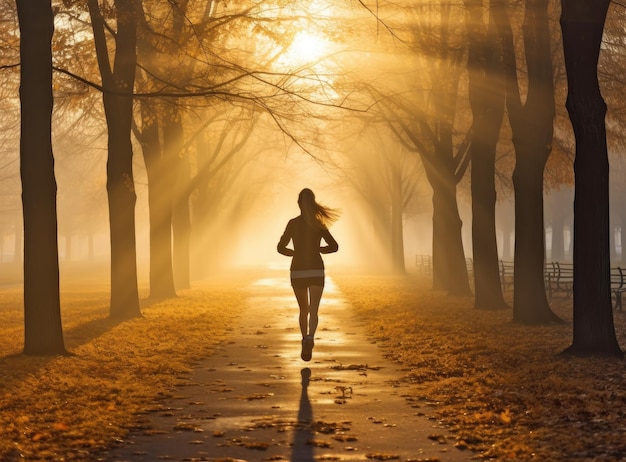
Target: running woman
{"x": 307, "y": 267}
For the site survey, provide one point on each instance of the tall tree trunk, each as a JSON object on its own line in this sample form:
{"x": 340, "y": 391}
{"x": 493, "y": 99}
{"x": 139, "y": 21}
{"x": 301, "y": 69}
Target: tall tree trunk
{"x": 181, "y": 177}
{"x": 181, "y": 222}
{"x": 118, "y": 81}
{"x": 486, "y": 95}
{"x": 43, "y": 332}
{"x": 532, "y": 127}
{"x": 397, "y": 235}
{"x": 158, "y": 170}
{"x": 122, "y": 198}
{"x": 449, "y": 267}
{"x": 530, "y": 304}
{"x": 202, "y": 215}
{"x": 582, "y": 25}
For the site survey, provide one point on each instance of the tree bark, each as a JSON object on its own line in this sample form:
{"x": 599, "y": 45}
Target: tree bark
{"x": 397, "y": 209}
{"x": 118, "y": 82}
{"x": 530, "y": 303}
{"x": 582, "y": 25}
{"x": 159, "y": 209}
{"x": 181, "y": 216}
{"x": 449, "y": 266}
{"x": 43, "y": 332}
{"x": 486, "y": 95}
{"x": 532, "y": 127}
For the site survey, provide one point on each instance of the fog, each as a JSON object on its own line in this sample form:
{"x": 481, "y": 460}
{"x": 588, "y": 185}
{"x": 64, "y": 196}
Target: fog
{"x": 332, "y": 100}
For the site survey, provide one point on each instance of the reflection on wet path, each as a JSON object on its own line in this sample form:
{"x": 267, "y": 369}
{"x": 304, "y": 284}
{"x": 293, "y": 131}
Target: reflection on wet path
{"x": 255, "y": 399}
{"x": 302, "y": 447}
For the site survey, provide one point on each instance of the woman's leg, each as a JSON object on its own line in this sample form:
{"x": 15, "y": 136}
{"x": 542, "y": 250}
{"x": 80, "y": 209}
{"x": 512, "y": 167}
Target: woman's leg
{"x": 315, "y": 293}
{"x": 302, "y": 296}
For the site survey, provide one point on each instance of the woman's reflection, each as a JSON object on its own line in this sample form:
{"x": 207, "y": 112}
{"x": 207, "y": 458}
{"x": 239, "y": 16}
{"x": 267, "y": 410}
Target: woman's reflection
{"x": 302, "y": 449}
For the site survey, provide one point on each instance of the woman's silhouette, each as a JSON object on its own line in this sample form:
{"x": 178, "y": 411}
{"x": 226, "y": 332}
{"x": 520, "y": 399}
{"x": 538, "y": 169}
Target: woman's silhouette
{"x": 307, "y": 267}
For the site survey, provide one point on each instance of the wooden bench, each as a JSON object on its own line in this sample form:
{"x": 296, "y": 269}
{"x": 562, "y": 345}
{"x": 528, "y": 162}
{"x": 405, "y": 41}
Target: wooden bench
{"x": 549, "y": 273}
{"x": 618, "y": 286}
{"x": 507, "y": 270}
{"x": 469, "y": 266}
{"x": 506, "y": 274}
{"x": 560, "y": 280}
{"x": 424, "y": 263}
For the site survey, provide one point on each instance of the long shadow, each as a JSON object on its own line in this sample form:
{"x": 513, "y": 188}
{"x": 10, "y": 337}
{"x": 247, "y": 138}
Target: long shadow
{"x": 302, "y": 447}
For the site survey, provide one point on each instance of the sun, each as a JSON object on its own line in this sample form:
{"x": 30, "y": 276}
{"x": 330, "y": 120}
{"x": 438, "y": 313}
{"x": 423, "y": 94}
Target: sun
{"x": 306, "y": 48}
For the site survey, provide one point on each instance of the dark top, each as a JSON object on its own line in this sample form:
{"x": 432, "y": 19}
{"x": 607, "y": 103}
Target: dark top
{"x": 306, "y": 244}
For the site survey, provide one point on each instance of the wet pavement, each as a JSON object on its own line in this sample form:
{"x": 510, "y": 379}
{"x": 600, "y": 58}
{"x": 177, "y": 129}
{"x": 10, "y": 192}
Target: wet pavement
{"x": 256, "y": 400}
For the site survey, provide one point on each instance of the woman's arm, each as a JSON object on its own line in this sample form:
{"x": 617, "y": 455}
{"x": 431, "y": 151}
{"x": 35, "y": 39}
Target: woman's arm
{"x": 284, "y": 240}
{"x": 331, "y": 246}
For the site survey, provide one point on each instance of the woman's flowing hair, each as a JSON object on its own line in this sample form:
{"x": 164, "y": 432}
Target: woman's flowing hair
{"x": 316, "y": 215}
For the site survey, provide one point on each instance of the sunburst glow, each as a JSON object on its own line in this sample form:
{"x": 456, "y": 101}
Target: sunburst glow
{"x": 306, "y": 48}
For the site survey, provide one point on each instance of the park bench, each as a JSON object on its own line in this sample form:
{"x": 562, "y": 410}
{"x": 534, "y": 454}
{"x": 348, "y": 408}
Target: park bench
{"x": 560, "y": 279}
{"x": 469, "y": 266}
{"x": 506, "y": 274}
{"x": 507, "y": 271}
{"x": 549, "y": 273}
{"x": 618, "y": 286}
{"x": 423, "y": 263}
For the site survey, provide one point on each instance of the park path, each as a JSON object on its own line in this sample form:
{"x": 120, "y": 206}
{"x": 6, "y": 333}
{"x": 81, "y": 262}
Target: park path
{"x": 256, "y": 400}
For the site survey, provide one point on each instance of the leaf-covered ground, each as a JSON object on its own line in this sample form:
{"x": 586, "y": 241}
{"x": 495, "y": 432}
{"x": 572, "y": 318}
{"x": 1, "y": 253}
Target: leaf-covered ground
{"x": 504, "y": 389}
{"x": 69, "y": 408}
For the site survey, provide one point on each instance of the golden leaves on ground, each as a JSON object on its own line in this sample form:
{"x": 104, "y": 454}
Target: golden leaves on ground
{"x": 72, "y": 407}
{"x": 502, "y": 389}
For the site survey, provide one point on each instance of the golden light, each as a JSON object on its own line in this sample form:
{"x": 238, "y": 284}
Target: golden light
{"x": 306, "y": 48}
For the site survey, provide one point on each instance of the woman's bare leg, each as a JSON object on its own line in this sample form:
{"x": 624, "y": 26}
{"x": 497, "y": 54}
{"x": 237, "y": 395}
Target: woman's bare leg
{"x": 302, "y": 296}
{"x": 315, "y": 293}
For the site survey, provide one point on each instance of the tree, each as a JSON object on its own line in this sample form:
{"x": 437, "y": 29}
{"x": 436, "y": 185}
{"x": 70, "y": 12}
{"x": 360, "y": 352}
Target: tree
{"x": 425, "y": 123}
{"x": 159, "y": 203}
{"x": 385, "y": 177}
{"x": 118, "y": 79}
{"x": 220, "y": 185}
{"x": 582, "y": 25}
{"x": 43, "y": 332}
{"x": 486, "y": 97}
{"x": 532, "y": 128}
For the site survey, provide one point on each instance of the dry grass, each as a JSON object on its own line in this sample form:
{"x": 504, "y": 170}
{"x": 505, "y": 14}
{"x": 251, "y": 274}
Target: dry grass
{"x": 503, "y": 388}
{"x": 69, "y": 408}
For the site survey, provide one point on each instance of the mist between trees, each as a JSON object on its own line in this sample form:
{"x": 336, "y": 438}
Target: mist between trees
{"x": 179, "y": 133}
